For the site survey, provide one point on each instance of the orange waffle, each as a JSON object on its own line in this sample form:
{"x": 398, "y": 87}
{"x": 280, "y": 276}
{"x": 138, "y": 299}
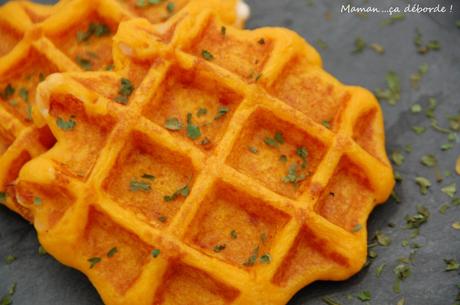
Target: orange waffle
{"x": 73, "y": 35}
{"x": 215, "y": 166}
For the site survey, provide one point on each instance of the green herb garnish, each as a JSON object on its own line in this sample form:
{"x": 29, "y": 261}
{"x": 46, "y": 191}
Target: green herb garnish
{"x": 93, "y": 261}
{"x": 156, "y": 253}
{"x": 393, "y": 93}
{"x": 356, "y": 228}
{"x": 37, "y": 201}
{"x": 207, "y": 55}
{"x": 112, "y": 252}
{"x": 293, "y": 176}
{"x": 222, "y": 111}
{"x": 451, "y": 265}
{"x": 8, "y": 92}
{"x": 424, "y": 184}
{"x": 126, "y": 88}
{"x": 173, "y": 124}
{"x": 9, "y": 259}
{"x": 360, "y": 45}
{"x": 135, "y": 186}
{"x": 3, "y": 197}
{"x": 66, "y": 125}
{"x": 84, "y": 63}
{"x": 402, "y": 272}
{"x": 266, "y": 258}
{"x": 94, "y": 29}
{"x": 302, "y": 152}
{"x": 219, "y": 248}
{"x": 364, "y": 296}
{"x": 183, "y": 191}
{"x": 193, "y": 131}
{"x": 450, "y": 190}
{"x": 170, "y": 7}
{"x": 201, "y": 112}
{"x": 233, "y": 234}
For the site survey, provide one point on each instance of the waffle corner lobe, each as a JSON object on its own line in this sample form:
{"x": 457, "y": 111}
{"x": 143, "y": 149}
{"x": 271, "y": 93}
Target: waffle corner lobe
{"x": 198, "y": 163}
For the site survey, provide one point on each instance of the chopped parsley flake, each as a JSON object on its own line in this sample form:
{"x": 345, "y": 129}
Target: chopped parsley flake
{"x": 276, "y": 140}
{"x": 423, "y": 48}
{"x": 424, "y": 184}
{"x": 148, "y": 176}
{"x": 364, "y": 296}
{"x": 112, "y": 252}
{"x": 429, "y": 160}
{"x": 183, "y": 191}
{"x": 135, "y": 186}
{"x": 219, "y": 248}
{"x": 271, "y": 142}
{"x": 329, "y": 301}
{"x": 397, "y": 157}
{"x": 223, "y": 30}
{"x": 266, "y": 258}
{"x": 326, "y": 124}
{"x": 451, "y": 265}
{"x": 382, "y": 239}
{"x": 356, "y": 228}
{"x": 393, "y": 93}
{"x": 360, "y": 45}
{"x": 201, "y": 112}
{"x": 283, "y": 158}
{"x": 93, "y": 261}
{"x": 450, "y": 190}
{"x": 222, "y": 111}
{"x": 193, "y": 131}
{"x": 41, "y": 250}
{"x": 233, "y": 234}
{"x": 253, "y": 258}
{"x": 253, "y": 149}
{"x": 156, "y": 253}
{"x": 2, "y": 197}
{"x": 293, "y": 176}
{"x": 9, "y": 259}
{"x": 379, "y": 270}
{"x": 7, "y": 298}
{"x": 416, "y": 108}
{"x": 207, "y": 55}
{"x": 24, "y": 94}
{"x": 8, "y": 92}
{"x": 66, "y": 125}
{"x": 415, "y": 221}
{"x": 94, "y": 29}
{"x": 417, "y": 77}
{"x": 126, "y": 88}
{"x": 37, "y": 201}
{"x": 162, "y": 218}
{"x": 418, "y": 129}
{"x": 402, "y": 272}
{"x": 302, "y": 152}
{"x": 279, "y": 137}
{"x": 173, "y": 124}
{"x": 170, "y": 7}
{"x": 84, "y": 63}
{"x": 394, "y": 18}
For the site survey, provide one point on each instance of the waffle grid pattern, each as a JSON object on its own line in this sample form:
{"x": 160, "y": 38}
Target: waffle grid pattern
{"x": 138, "y": 41}
{"x": 31, "y": 27}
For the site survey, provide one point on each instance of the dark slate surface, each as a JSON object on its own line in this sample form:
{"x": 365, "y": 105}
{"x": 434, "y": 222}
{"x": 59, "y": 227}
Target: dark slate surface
{"x": 42, "y": 280}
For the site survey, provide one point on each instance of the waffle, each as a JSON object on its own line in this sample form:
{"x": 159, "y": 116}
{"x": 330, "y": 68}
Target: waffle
{"x": 214, "y": 166}
{"x": 73, "y": 35}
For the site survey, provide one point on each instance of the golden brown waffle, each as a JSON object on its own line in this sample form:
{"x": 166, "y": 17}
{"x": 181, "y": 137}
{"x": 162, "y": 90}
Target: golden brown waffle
{"x": 73, "y": 35}
{"x": 217, "y": 166}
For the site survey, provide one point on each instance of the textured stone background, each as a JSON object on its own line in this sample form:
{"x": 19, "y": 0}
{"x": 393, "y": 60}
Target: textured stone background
{"x": 41, "y": 280}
